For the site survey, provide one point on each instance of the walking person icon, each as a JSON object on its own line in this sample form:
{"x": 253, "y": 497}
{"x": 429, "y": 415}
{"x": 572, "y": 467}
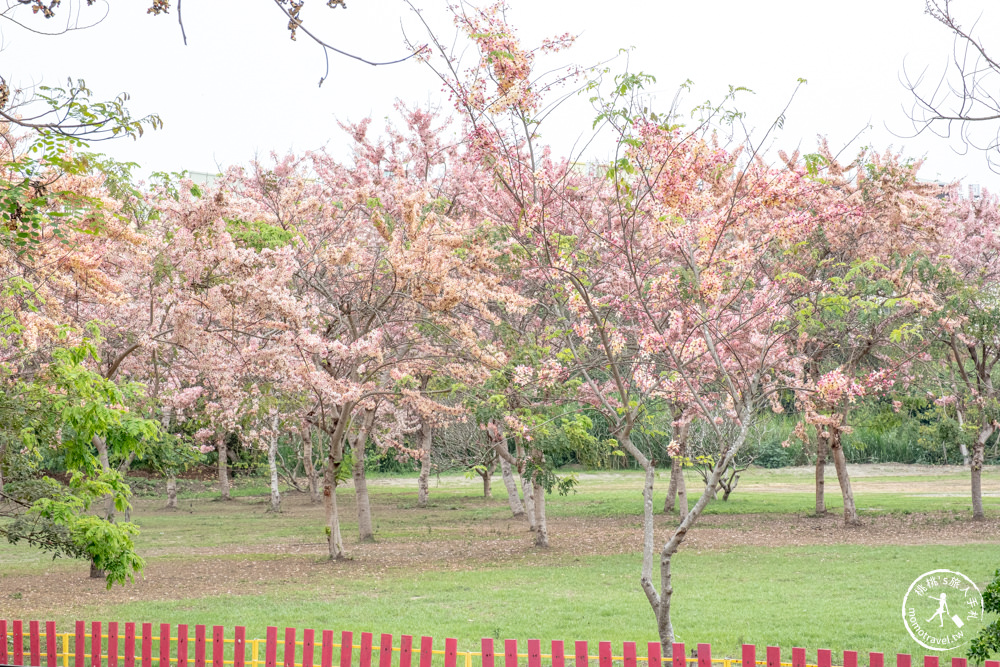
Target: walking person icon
{"x": 941, "y": 610}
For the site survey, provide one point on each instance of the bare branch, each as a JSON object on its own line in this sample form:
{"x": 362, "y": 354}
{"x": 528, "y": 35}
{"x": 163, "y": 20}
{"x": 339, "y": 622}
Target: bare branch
{"x": 295, "y": 25}
{"x": 963, "y": 103}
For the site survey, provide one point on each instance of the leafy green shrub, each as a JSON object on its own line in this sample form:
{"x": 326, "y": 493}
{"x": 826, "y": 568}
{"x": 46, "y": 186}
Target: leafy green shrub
{"x": 770, "y": 454}
{"x": 387, "y": 461}
{"x": 987, "y": 642}
{"x": 767, "y": 446}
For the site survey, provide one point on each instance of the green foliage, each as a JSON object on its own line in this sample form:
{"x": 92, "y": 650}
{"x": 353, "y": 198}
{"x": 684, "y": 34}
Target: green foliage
{"x": 770, "y": 453}
{"x": 941, "y": 438}
{"x": 171, "y": 453}
{"x": 383, "y": 461}
{"x": 987, "y": 642}
{"x": 572, "y": 438}
{"x": 550, "y": 481}
{"x": 858, "y": 296}
{"x": 82, "y": 117}
{"x": 814, "y": 163}
{"x": 625, "y": 86}
{"x": 343, "y": 473}
{"x": 30, "y": 206}
{"x": 920, "y": 432}
{"x": 69, "y": 405}
{"x": 56, "y": 520}
{"x": 88, "y": 405}
{"x": 120, "y": 182}
{"x": 169, "y": 182}
{"x": 259, "y": 235}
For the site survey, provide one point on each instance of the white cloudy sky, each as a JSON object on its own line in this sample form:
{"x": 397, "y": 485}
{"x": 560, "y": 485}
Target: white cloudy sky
{"x": 241, "y": 87}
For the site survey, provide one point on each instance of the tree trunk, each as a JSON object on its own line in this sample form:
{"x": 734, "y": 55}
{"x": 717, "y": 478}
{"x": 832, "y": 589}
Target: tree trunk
{"x": 272, "y": 465}
{"x": 526, "y": 489}
{"x": 165, "y": 419}
{"x": 677, "y": 490}
{"x": 820, "y": 472}
{"x": 109, "y": 506}
{"x": 315, "y": 494}
{"x": 516, "y": 508}
{"x": 365, "y": 531}
{"x": 423, "y": 482}
{"x": 487, "y": 475}
{"x": 978, "y": 456}
{"x": 102, "y": 452}
{"x": 102, "y": 455}
{"x": 360, "y": 440}
{"x": 529, "y": 503}
{"x": 670, "y": 502}
{"x": 126, "y": 465}
{"x": 541, "y": 529}
{"x": 334, "y": 541}
{"x": 660, "y": 611}
{"x": 222, "y": 451}
{"x": 682, "y": 495}
{"x": 660, "y": 601}
{"x": 109, "y": 501}
{"x": 840, "y": 462}
{"x": 961, "y": 422}
{"x": 298, "y": 465}
{"x": 123, "y": 469}
{"x": 964, "y": 451}
{"x": 171, "y": 491}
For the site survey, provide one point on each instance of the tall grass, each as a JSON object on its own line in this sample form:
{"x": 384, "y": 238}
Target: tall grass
{"x": 878, "y": 435}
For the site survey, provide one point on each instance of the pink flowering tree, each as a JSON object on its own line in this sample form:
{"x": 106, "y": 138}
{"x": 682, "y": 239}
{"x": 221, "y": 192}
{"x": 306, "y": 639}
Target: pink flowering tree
{"x": 966, "y": 317}
{"x": 396, "y": 290}
{"x": 826, "y": 404}
{"x": 676, "y": 294}
{"x": 664, "y": 269}
{"x": 860, "y": 298}
{"x": 230, "y": 319}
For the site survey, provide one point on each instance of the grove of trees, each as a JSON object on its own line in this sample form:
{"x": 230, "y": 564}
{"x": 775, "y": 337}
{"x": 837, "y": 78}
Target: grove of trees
{"x": 457, "y": 295}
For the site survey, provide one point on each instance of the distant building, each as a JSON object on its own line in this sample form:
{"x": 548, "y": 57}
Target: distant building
{"x": 203, "y": 177}
{"x": 975, "y": 189}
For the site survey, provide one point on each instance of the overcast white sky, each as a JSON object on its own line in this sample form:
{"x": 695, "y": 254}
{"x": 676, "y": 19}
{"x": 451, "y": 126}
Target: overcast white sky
{"x": 241, "y": 87}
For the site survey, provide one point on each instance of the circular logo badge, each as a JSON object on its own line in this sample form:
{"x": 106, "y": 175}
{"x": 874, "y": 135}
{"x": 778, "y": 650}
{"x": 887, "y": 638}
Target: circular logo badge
{"x": 943, "y": 610}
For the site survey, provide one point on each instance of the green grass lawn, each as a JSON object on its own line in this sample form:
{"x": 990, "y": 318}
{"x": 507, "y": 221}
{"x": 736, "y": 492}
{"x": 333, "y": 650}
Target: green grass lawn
{"x": 818, "y": 597}
{"x": 619, "y": 494}
{"x": 845, "y": 596}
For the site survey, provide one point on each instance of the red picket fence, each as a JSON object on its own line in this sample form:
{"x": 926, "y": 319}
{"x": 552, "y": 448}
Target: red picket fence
{"x": 108, "y": 647}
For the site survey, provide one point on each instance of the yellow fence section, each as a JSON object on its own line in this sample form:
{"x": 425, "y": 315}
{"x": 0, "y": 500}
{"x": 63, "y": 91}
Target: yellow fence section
{"x": 256, "y": 653}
